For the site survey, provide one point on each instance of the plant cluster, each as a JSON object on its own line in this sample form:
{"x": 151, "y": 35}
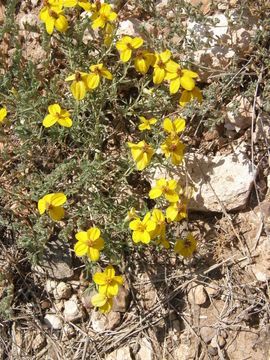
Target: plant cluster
{"x": 91, "y": 86}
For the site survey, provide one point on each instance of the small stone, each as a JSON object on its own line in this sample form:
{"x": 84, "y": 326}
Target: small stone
{"x": 39, "y": 342}
{"x": 121, "y": 300}
{"x": 212, "y": 351}
{"x": 53, "y": 321}
{"x": 239, "y": 113}
{"x": 113, "y": 320}
{"x": 59, "y": 305}
{"x": 207, "y": 333}
{"x": 72, "y": 311}
{"x": 68, "y": 331}
{"x": 146, "y": 350}
{"x": 211, "y": 290}
{"x": 224, "y": 334}
{"x": 62, "y": 291}
{"x": 98, "y": 321}
{"x": 218, "y": 341}
{"x": 211, "y": 135}
{"x": 50, "y": 285}
{"x": 28, "y": 19}
{"x": 197, "y": 295}
{"x": 86, "y": 298}
{"x": 46, "y": 304}
{"x": 120, "y": 354}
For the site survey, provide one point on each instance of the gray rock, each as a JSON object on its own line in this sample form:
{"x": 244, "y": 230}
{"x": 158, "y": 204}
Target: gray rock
{"x": 113, "y": 320}
{"x": 98, "y": 321}
{"x": 57, "y": 261}
{"x": 146, "y": 350}
{"x": 239, "y": 114}
{"x": 121, "y": 300}
{"x": 62, "y": 291}
{"x": 39, "y": 342}
{"x": 72, "y": 311}
{"x": 197, "y": 295}
{"x": 213, "y": 179}
{"x": 53, "y": 321}
{"x": 120, "y": 354}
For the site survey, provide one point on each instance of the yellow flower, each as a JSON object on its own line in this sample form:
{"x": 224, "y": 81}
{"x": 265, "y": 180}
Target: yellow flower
{"x": 90, "y": 243}
{"x": 146, "y": 123}
{"x": 160, "y": 66}
{"x": 143, "y": 60}
{"x": 159, "y": 219}
{"x": 179, "y": 77}
{"x": 58, "y": 115}
{"x": 52, "y": 202}
{"x": 175, "y": 148}
{"x": 167, "y": 188}
{"x": 103, "y": 302}
{"x": 97, "y": 71}
{"x": 3, "y": 114}
{"x": 104, "y": 15}
{"x": 187, "y": 96}
{"x": 142, "y": 153}
{"x": 126, "y": 45}
{"x": 82, "y": 3}
{"x": 142, "y": 229}
{"x": 163, "y": 241}
{"x": 107, "y": 282}
{"x": 53, "y": 16}
{"x": 176, "y": 211}
{"x": 108, "y": 36}
{"x": 132, "y": 214}
{"x": 174, "y": 127}
{"x": 79, "y": 85}
{"x": 186, "y": 247}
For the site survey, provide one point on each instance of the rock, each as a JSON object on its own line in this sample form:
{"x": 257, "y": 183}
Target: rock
{"x": 213, "y": 179}
{"x": 146, "y": 350}
{"x": 239, "y": 114}
{"x": 242, "y": 40}
{"x": 53, "y": 321}
{"x": 98, "y": 321}
{"x": 120, "y": 354}
{"x": 121, "y": 300}
{"x": 127, "y": 27}
{"x": 62, "y": 291}
{"x": 246, "y": 346}
{"x": 182, "y": 352}
{"x": 161, "y": 5}
{"x": 59, "y": 305}
{"x": 28, "y": 19}
{"x": 261, "y": 267}
{"x": 113, "y": 320}
{"x": 50, "y": 285}
{"x": 212, "y": 351}
{"x": 205, "y": 5}
{"x": 262, "y": 130}
{"x": 207, "y": 334}
{"x": 72, "y": 311}
{"x": 211, "y": 290}
{"x": 57, "y": 261}
{"x": 86, "y": 298}
{"x": 68, "y": 331}
{"x": 46, "y": 304}
{"x": 207, "y": 34}
{"x": 218, "y": 341}
{"x": 197, "y": 295}
{"x": 2, "y": 14}
{"x": 39, "y": 342}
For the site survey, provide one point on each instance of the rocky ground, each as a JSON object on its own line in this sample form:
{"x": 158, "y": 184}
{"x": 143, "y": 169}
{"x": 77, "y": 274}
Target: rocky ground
{"x": 213, "y": 306}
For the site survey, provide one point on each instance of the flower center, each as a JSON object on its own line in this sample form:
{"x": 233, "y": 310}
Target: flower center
{"x": 180, "y": 207}
{"x": 139, "y": 54}
{"x": 48, "y": 205}
{"x": 161, "y": 64}
{"x": 129, "y": 46}
{"x": 145, "y": 148}
{"x": 141, "y": 227}
{"x": 90, "y": 243}
{"x": 97, "y": 71}
{"x": 172, "y": 147}
{"x": 77, "y": 76}
{"x": 53, "y": 14}
{"x": 187, "y": 243}
{"x": 179, "y": 72}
